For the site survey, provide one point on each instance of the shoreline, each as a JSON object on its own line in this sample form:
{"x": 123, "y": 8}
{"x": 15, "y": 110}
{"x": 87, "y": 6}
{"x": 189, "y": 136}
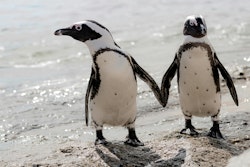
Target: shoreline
{"x": 72, "y": 144}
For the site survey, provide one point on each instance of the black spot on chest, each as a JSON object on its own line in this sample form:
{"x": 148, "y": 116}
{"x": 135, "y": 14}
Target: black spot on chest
{"x": 97, "y": 78}
{"x": 206, "y": 47}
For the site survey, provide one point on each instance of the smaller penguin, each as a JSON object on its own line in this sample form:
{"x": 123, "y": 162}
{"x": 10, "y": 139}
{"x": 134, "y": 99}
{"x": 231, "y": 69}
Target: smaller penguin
{"x": 112, "y": 88}
{"x": 197, "y": 65}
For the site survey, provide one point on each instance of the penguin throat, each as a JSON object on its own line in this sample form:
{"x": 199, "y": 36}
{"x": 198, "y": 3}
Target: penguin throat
{"x": 96, "y": 45}
{"x": 190, "y": 39}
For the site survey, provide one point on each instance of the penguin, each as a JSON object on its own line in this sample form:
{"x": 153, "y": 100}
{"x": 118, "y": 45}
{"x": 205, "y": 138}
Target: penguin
{"x": 197, "y": 65}
{"x": 112, "y": 88}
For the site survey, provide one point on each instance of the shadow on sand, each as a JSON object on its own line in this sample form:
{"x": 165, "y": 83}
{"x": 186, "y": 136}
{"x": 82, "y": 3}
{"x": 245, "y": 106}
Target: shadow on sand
{"x": 118, "y": 154}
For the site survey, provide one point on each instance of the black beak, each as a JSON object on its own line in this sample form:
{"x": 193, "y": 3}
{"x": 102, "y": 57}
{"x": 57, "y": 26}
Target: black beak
{"x": 64, "y": 31}
{"x": 195, "y": 31}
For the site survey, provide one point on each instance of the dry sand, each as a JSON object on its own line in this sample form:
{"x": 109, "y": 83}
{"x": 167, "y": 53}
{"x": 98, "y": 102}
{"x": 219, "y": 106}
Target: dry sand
{"x": 162, "y": 148}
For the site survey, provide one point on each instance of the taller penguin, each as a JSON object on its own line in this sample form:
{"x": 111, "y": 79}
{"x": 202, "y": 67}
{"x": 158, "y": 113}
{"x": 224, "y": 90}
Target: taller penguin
{"x": 197, "y": 65}
{"x": 112, "y": 88}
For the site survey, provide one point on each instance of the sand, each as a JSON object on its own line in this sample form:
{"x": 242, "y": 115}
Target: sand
{"x": 159, "y": 130}
{"x": 163, "y": 148}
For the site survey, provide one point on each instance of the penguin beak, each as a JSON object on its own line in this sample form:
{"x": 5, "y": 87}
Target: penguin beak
{"x": 69, "y": 32}
{"x": 64, "y": 31}
{"x": 195, "y": 31}
{"x": 203, "y": 29}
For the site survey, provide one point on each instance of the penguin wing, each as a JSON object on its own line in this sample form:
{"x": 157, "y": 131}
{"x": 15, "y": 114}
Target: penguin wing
{"x": 227, "y": 78}
{"x": 148, "y": 79}
{"x": 167, "y": 78}
{"x": 90, "y": 84}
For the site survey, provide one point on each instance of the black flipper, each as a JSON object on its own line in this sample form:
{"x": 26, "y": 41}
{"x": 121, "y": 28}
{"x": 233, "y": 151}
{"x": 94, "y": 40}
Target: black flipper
{"x": 90, "y": 84}
{"x": 148, "y": 79}
{"x": 227, "y": 78}
{"x": 167, "y": 78}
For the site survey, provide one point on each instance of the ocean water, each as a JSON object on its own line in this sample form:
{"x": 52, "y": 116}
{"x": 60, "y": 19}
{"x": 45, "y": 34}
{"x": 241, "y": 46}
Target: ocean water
{"x": 43, "y": 78}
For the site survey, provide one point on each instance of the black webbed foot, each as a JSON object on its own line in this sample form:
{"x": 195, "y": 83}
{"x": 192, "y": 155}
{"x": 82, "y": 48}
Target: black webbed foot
{"x": 99, "y": 138}
{"x": 101, "y": 141}
{"x": 134, "y": 142}
{"x": 188, "y": 125}
{"x": 215, "y": 131}
{"x": 132, "y": 139}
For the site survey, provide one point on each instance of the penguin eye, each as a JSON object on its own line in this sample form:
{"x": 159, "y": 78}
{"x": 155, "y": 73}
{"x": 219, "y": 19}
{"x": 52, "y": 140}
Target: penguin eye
{"x": 191, "y": 23}
{"x": 78, "y": 27}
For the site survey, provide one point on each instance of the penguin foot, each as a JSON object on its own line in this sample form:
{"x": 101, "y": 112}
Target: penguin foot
{"x": 134, "y": 142}
{"x": 101, "y": 141}
{"x": 215, "y": 131}
{"x": 132, "y": 139}
{"x": 99, "y": 138}
{"x": 192, "y": 132}
{"x": 191, "y": 128}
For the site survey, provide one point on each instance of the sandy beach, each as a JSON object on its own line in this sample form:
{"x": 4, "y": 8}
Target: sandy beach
{"x": 159, "y": 130}
{"x": 163, "y": 148}
{"x": 43, "y": 80}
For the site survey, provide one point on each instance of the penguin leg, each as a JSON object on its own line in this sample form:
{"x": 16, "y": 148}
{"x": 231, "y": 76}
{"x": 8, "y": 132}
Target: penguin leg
{"x": 99, "y": 136}
{"x": 188, "y": 125}
{"x": 132, "y": 139}
{"x": 215, "y": 130}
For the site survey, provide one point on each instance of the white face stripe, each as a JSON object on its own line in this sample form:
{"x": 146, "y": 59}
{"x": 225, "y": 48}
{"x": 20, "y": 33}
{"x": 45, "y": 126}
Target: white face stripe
{"x": 104, "y": 41}
{"x": 101, "y": 30}
{"x": 78, "y": 25}
{"x": 192, "y": 20}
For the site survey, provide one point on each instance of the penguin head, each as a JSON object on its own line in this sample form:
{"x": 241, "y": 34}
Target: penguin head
{"x": 90, "y": 32}
{"x": 195, "y": 26}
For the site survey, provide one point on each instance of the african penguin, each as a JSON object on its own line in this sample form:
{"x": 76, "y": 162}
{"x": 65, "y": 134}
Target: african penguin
{"x": 112, "y": 88}
{"x": 197, "y": 65}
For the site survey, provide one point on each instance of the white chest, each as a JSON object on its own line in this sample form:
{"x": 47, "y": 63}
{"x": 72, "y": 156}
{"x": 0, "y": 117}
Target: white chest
{"x": 115, "y": 102}
{"x": 198, "y": 94}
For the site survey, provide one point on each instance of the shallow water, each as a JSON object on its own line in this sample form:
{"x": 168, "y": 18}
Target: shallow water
{"x": 44, "y": 77}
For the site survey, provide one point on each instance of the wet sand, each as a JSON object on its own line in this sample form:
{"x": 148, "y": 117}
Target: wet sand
{"x": 159, "y": 130}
